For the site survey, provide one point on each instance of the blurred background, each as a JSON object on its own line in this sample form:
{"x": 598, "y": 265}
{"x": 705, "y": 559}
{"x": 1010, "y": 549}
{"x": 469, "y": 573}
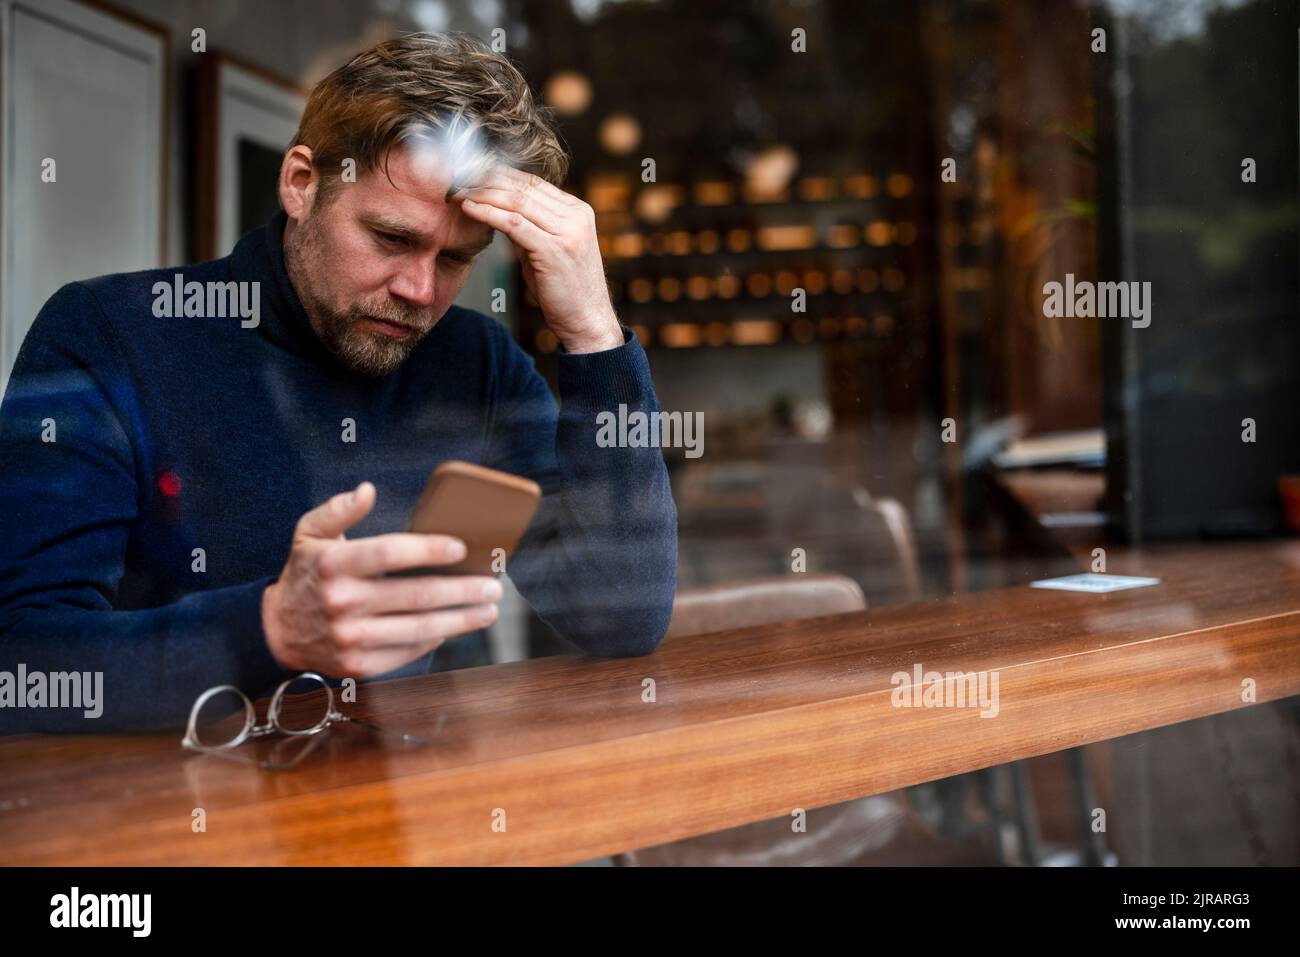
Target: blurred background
{"x": 829, "y": 222}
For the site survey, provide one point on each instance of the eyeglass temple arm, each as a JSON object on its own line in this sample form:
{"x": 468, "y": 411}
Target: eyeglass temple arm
{"x": 413, "y": 738}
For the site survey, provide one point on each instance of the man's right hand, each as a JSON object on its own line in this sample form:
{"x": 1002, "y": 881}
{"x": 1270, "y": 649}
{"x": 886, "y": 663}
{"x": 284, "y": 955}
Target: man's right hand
{"x": 332, "y": 611}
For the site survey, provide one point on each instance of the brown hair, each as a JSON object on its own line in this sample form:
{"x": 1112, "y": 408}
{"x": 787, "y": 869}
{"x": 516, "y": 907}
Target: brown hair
{"x": 444, "y": 88}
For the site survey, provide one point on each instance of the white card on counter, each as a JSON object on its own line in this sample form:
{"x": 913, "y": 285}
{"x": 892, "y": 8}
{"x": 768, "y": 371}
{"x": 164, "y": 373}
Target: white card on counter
{"x": 1094, "y": 583}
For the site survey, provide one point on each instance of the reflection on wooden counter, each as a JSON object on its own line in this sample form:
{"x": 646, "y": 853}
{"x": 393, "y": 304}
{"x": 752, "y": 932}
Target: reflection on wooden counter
{"x": 571, "y": 761}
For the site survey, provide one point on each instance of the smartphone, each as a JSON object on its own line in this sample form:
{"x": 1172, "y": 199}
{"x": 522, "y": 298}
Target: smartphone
{"x": 488, "y": 510}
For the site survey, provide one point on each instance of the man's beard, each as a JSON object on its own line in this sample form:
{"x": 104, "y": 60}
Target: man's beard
{"x": 341, "y": 330}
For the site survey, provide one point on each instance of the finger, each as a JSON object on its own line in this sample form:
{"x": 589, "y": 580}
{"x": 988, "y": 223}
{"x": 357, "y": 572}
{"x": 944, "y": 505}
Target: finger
{"x": 542, "y": 185}
{"x": 546, "y": 213}
{"x": 367, "y": 664}
{"x": 365, "y": 596}
{"x": 378, "y": 554}
{"x": 522, "y": 231}
{"x": 415, "y": 632}
{"x": 509, "y": 177}
{"x": 335, "y": 516}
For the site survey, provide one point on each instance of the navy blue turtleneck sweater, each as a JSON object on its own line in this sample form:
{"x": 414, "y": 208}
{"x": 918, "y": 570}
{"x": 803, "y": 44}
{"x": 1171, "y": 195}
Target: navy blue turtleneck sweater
{"x": 129, "y": 442}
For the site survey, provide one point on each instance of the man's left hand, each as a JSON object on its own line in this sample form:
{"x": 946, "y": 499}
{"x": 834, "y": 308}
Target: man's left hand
{"x": 555, "y": 234}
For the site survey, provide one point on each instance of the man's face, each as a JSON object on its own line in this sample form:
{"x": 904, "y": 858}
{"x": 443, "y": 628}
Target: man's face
{"x": 378, "y": 263}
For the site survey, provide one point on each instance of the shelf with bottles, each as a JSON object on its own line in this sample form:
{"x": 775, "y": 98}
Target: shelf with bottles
{"x": 751, "y": 330}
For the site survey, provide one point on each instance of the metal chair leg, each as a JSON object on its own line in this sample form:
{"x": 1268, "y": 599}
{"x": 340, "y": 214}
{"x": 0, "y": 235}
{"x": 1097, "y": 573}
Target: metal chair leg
{"x": 1094, "y": 842}
{"x": 1026, "y": 814}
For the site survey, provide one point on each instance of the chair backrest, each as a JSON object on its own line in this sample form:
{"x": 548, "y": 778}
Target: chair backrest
{"x": 760, "y": 601}
{"x": 899, "y": 527}
{"x": 840, "y": 829}
{"x": 842, "y": 528}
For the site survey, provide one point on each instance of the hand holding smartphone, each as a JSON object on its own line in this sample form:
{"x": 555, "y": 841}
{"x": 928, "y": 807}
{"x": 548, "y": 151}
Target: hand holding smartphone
{"x": 350, "y": 607}
{"x": 486, "y": 509}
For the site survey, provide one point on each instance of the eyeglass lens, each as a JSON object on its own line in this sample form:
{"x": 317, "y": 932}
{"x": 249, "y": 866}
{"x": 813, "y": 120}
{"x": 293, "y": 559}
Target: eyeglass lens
{"x": 301, "y": 705}
{"x": 221, "y": 719}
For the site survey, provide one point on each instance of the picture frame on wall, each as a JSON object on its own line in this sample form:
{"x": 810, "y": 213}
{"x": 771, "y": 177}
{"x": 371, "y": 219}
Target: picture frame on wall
{"x": 247, "y": 118}
{"x": 84, "y": 145}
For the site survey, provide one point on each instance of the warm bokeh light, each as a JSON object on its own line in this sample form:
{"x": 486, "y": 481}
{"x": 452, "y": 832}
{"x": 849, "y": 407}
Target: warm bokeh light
{"x": 899, "y": 185}
{"x": 738, "y": 240}
{"x": 843, "y": 236}
{"x": 815, "y": 188}
{"x": 629, "y": 245}
{"x": 655, "y": 203}
{"x": 569, "y": 92}
{"x": 728, "y": 286}
{"x": 786, "y": 237}
{"x": 879, "y": 233}
{"x": 855, "y": 326}
{"x": 609, "y": 192}
{"x": 755, "y": 332}
{"x": 860, "y": 186}
{"x": 620, "y": 133}
{"x": 680, "y": 335}
{"x": 641, "y": 290}
{"x": 769, "y": 173}
{"x": 699, "y": 288}
{"x": 714, "y": 193}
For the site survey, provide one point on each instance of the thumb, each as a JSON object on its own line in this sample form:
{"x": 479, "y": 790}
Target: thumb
{"x": 338, "y": 514}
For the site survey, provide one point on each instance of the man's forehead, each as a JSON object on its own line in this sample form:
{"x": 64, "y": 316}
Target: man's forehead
{"x": 408, "y": 197}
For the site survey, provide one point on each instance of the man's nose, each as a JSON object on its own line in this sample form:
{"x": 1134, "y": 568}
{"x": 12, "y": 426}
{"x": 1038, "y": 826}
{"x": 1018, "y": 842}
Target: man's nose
{"x": 415, "y": 284}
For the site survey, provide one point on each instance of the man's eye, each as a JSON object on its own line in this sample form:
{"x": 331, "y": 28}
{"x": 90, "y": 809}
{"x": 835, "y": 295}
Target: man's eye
{"x": 456, "y": 260}
{"x": 392, "y": 238}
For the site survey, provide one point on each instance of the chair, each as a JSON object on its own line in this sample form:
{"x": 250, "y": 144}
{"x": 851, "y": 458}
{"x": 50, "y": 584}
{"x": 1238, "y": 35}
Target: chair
{"x": 759, "y": 601}
{"x": 843, "y": 529}
{"x": 877, "y": 830}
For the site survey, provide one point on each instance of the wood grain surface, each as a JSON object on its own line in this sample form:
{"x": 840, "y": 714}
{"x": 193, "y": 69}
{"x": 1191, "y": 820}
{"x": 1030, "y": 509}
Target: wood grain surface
{"x": 745, "y": 725}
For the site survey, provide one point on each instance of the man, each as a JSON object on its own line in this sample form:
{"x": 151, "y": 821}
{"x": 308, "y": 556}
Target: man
{"x": 161, "y": 516}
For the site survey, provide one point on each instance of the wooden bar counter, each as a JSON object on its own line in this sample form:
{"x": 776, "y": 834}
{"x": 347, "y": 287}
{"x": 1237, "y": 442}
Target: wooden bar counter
{"x": 569, "y": 755}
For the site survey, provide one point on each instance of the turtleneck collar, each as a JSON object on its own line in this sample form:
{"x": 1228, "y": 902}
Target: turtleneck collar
{"x": 259, "y": 257}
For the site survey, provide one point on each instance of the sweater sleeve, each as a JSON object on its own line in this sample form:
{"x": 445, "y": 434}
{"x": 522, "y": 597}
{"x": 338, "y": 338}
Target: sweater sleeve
{"x": 599, "y": 561}
{"x": 69, "y": 494}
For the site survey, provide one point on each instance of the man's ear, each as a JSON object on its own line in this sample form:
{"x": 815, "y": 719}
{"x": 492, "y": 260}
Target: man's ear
{"x": 298, "y": 182}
